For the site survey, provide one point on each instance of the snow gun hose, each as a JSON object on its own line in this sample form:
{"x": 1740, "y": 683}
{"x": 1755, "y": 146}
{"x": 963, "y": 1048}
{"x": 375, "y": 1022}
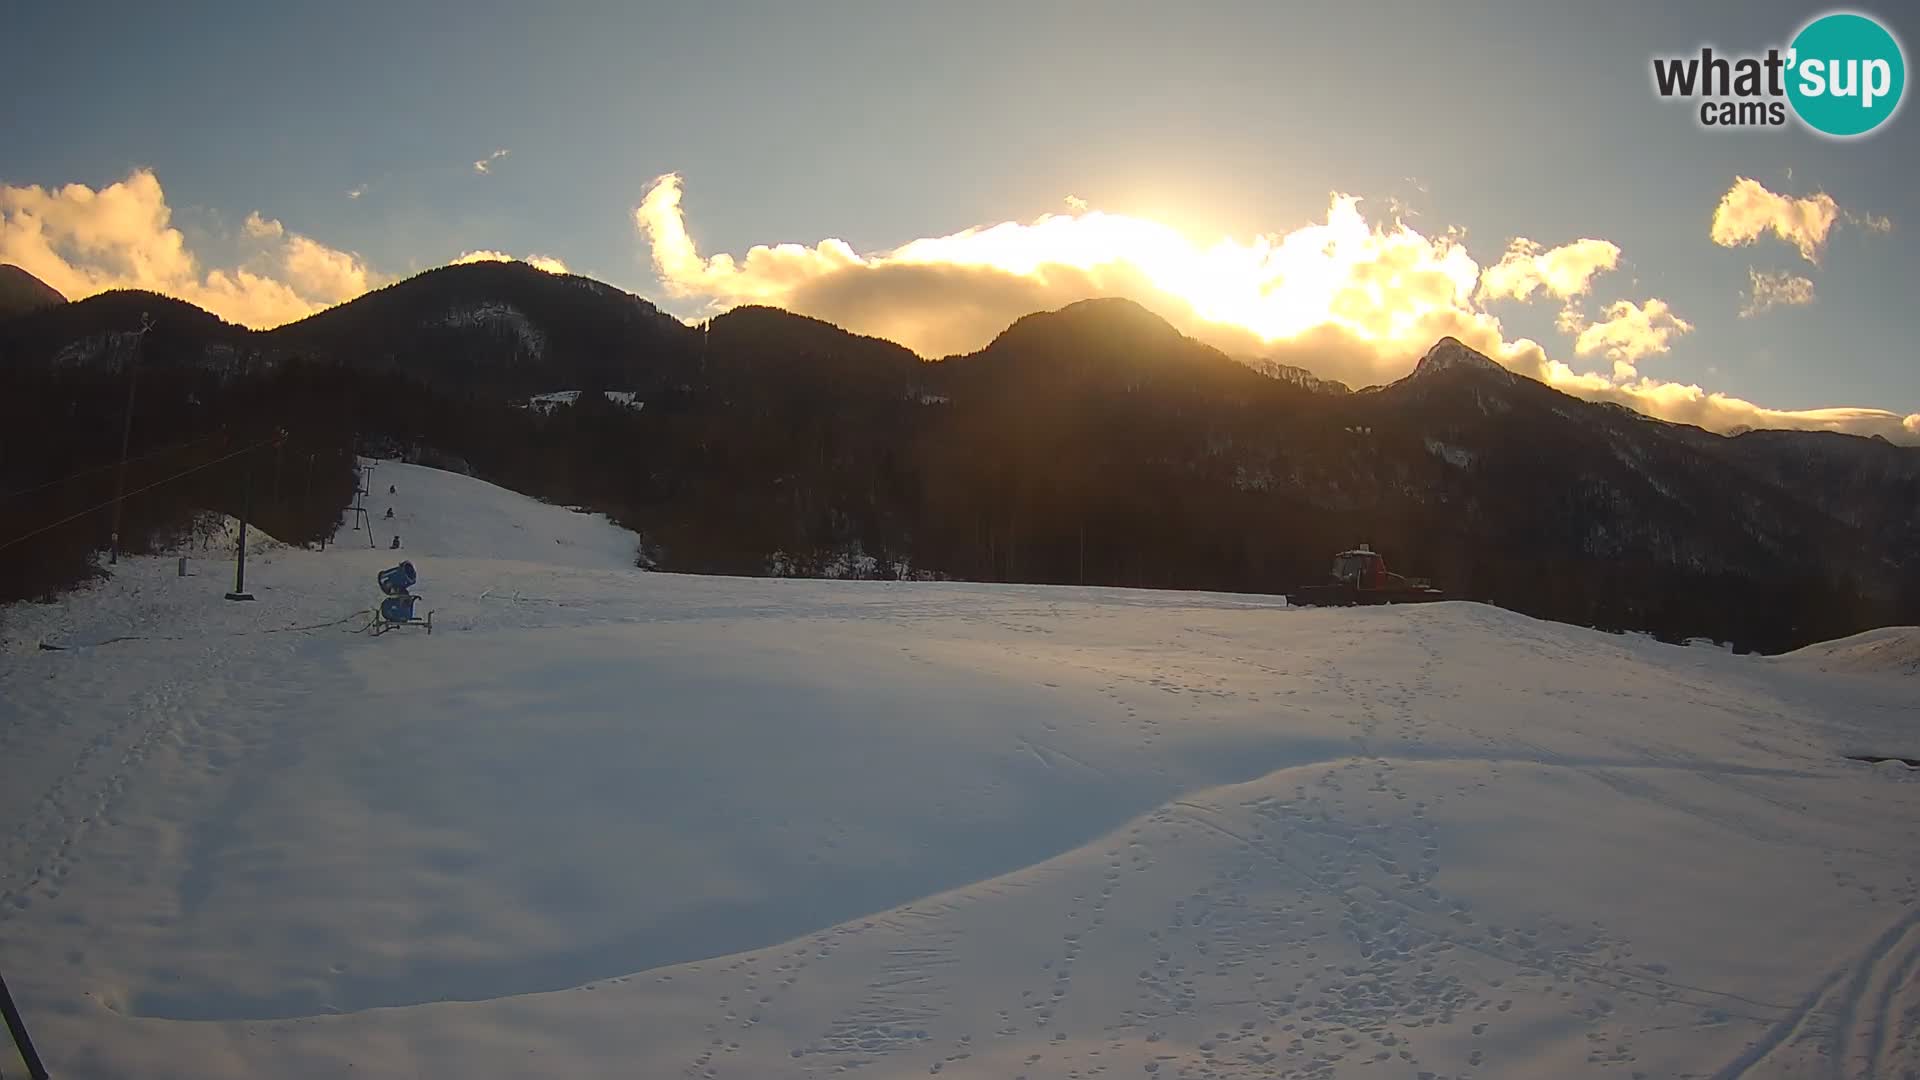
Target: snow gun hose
{"x": 18, "y": 1028}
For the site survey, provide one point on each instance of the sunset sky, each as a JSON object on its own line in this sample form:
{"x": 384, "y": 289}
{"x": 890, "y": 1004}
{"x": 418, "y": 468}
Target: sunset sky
{"x": 1335, "y": 186}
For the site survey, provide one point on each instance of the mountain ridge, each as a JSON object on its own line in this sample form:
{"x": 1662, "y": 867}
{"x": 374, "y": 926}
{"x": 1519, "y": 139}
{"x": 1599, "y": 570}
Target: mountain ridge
{"x": 1131, "y": 325}
{"x": 1092, "y": 444}
{"x": 21, "y": 292}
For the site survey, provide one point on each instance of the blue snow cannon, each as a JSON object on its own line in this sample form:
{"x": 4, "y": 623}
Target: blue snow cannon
{"x": 398, "y": 609}
{"x": 396, "y": 581}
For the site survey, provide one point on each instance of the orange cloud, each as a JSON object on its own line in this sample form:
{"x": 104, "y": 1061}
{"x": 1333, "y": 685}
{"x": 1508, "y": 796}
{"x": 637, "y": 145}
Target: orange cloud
{"x": 1749, "y": 211}
{"x": 1350, "y": 299}
{"x": 83, "y": 241}
{"x": 1628, "y": 333}
{"x": 1563, "y": 272}
{"x": 1390, "y": 287}
{"x": 539, "y": 262}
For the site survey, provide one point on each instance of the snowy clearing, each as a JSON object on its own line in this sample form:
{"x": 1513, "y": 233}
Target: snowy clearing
{"x": 610, "y": 823}
{"x": 546, "y": 403}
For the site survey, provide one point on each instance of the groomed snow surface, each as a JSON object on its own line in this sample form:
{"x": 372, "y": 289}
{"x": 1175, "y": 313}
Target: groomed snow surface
{"x": 610, "y": 823}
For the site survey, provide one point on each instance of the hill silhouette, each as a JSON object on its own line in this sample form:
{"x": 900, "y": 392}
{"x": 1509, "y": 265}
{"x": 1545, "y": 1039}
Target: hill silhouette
{"x": 21, "y": 292}
{"x": 1091, "y": 444}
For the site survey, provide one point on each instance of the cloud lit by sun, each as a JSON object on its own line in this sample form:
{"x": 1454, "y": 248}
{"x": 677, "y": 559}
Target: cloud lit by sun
{"x": 1385, "y": 286}
{"x": 84, "y": 240}
{"x": 539, "y": 262}
{"x": 1350, "y": 299}
{"x": 1345, "y": 296}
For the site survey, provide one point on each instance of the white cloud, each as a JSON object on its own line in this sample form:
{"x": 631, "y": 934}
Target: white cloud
{"x": 548, "y": 263}
{"x": 1629, "y": 333}
{"x": 356, "y": 191}
{"x": 1348, "y": 299}
{"x": 82, "y": 241}
{"x": 485, "y": 164}
{"x": 1687, "y": 403}
{"x": 263, "y": 228}
{"x": 1870, "y": 222}
{"x": 1775, "y": 288}
{"x": 1563, "y": 272}
{"x": 1749, "y": 211}
{"x": 1076, "y": 204}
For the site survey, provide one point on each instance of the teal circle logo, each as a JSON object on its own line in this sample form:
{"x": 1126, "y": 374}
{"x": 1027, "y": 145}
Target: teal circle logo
{"x": 1846, "y": 76}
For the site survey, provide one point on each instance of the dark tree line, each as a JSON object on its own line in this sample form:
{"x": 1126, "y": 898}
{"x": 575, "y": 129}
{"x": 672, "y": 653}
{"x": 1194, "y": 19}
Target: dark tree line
{"x": 197, "y": 440}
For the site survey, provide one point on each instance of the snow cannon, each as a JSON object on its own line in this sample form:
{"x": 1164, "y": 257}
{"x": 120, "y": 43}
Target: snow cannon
{"x": 397, "y": 580}
{"x": 398, "y": 609}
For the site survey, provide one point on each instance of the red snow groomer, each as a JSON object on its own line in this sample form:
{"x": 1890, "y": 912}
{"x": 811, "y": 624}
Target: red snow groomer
{"x": 1361, "y": 576}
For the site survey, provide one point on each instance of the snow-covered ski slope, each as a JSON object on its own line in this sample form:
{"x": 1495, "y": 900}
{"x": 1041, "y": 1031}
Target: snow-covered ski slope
{"x": 611, "y": 823}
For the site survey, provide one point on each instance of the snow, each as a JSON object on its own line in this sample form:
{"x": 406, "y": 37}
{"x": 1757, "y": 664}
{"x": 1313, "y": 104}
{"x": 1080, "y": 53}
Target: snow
{"x": 445, "y": 515}
{"x": 605, "y": 822}
{"x": 1298, "y": 376}
{"x": 1449, "y": 353}
{"x": 501, "y": 318}
{"x": 1891, "y": 650}
{"x": 221, "y": 532}
{"x": 546, "y": 403}
{"x": 1458, "y": 457}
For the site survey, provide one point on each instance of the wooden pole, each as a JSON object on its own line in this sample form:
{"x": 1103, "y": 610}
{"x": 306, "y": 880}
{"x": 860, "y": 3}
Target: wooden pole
{"x": 240, "y": 552}
{"x": 18, "y": 1028}
{"x": 126, "y": 433}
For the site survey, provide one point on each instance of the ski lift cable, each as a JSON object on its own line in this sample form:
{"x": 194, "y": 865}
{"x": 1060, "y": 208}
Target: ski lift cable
{"x": 357, "y": 613}
{"x": 108, "y": 465}
{"x": 130, "y": 494}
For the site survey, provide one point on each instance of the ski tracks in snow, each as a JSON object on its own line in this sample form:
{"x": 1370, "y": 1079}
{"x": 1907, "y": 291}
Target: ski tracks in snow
{"x": 1882, "y": 999}
{"x": 1861, "y": 1016}
{"x": 84, "y": 791}
{"x": 158, "y": 776}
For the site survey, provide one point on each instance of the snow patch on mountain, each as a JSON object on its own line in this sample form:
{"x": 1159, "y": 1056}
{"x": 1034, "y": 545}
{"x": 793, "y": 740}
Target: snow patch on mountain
{"x": 546, "y": 403}
{"x": 501, "y": 318}
{"x": 1456, "y": 456}
{"x": 1451, "y": 354}
{"x": 1298, "y": 376}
